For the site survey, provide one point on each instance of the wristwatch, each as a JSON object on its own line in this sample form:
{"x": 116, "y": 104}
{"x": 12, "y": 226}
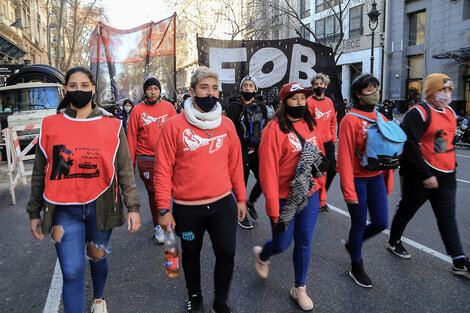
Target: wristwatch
{"x": 162, "y": 212}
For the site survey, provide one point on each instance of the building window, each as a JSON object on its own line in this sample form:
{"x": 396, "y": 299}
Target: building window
{"x": 304, "y": 33}
{"x": 304, "y": 10}
{"x": 466, "y": 10}
{"x": 322, "y": 5}
{"x": 327, "y": 30}
{"x": 356, "y": 70}
{"x": 415, "y": 79}
{"x": 356, "y": 22}
{"x": 417, "y": 28}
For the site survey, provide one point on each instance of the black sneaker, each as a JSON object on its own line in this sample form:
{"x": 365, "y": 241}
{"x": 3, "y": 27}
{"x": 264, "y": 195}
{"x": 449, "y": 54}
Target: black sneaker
{"x": 195, "y": 304}
{"x": 323, "y": 208}
{"x": 461, "y": 267}
{"x": 359, "y": 275}
{"x": 398, "y": 249}
{"x": 221, "y": 307}
{"x": 245, "y": 223}
{"x": 251, "y": 210}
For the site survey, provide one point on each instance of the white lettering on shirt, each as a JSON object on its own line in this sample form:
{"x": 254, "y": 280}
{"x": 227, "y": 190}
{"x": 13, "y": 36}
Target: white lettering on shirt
{"x": 193, "y": 141}
{"x": 147, "y": 119}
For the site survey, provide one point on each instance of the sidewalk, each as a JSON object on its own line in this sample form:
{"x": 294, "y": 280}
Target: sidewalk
{"x": 5, "y": 180}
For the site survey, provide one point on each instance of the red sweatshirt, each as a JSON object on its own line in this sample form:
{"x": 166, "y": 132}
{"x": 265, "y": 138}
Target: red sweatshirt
{"x": 190, "y": 165}
{"x": 144, "y": 126}
{"x": 352, "y": 137}
{"x": 279, "y": 154}
{"x": 323, "y": 111}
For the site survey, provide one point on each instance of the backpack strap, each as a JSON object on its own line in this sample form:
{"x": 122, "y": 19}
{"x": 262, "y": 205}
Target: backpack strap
{"x": 301, "y": 139}
{"x": 364, "y": 118}
{"x": 428, "y": 113}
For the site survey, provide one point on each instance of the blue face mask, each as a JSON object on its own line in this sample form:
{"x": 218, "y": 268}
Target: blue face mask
{"x": 206, "y": 103}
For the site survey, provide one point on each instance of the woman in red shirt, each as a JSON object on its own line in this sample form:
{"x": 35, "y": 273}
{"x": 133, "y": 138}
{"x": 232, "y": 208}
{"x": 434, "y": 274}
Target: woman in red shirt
{"x": 279, "y": 152}
{"x": 198, "y": 162}
{"x": 145, "y": 123}
{"x": 363, "y": 190}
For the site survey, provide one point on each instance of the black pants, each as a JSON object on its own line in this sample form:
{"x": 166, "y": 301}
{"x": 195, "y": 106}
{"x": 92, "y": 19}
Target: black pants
{"x": 251, "y": 162}
{"x": 443, "y": 204}
{"x": 220, "y": 220}
{"x": 330, "y": 154}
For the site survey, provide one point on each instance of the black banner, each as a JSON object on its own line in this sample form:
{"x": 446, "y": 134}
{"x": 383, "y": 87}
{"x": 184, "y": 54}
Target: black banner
{"x": 272, "y": 62}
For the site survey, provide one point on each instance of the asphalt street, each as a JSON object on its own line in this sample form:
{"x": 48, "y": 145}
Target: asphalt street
{"x": 138, "y": 283}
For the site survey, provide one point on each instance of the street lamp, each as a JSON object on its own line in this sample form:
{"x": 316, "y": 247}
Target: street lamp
{"x": 373, "y": 23}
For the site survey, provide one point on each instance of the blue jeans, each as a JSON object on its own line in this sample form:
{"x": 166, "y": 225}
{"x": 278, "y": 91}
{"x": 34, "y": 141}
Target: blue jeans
{"x": 372, "y": 194}
{"x": 80, "y": 229}
{"x": 301, "y": 230}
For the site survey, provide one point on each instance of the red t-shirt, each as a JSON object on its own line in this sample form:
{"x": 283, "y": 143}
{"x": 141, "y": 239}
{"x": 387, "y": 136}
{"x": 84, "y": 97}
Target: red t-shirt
{"x": 352, "y": 137}
{"x": 323, "y": 111}
{"x": 192, "y": 164}
{"x": 279, "y": 154}
{"x": 144, "y": 126}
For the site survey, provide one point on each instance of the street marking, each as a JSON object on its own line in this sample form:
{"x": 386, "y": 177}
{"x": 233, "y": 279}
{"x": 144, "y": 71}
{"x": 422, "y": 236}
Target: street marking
{"x": 404, "y": 239}
{"x": 463, "y": 156}
{"x": 463, "y": 181}
{"x": 55, "y": 291}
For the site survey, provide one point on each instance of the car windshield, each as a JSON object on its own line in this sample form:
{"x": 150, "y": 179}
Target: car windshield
{"x": 29, "y": 99}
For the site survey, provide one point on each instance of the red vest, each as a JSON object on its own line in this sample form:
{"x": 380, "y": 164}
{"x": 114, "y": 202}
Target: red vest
{"x": 437, "y": 140}
{"x": 80, "y": 157}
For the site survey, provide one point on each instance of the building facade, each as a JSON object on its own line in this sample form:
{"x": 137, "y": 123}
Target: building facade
{"x": 353, "y": 57}
{"x": 425, "y": 37}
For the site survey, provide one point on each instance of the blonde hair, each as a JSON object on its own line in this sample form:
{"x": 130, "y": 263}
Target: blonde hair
{"x": 202, "y": 72}
{"x": 324, "y": 78}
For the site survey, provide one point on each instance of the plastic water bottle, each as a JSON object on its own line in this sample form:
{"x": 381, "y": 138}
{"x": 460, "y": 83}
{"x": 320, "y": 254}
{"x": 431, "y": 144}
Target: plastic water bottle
{"x": 172, "y": 258}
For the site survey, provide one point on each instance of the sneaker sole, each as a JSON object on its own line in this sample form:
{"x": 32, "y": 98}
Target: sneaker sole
{"x": 243, "y": 226}
{"x": 465, "y": 274}
{"x": 390, "y": 248}
{"x": 357, "y": 282}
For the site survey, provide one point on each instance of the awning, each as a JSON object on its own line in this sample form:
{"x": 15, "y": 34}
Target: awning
{"x": 460, "y": 55}
{"x": 10, "y": 49}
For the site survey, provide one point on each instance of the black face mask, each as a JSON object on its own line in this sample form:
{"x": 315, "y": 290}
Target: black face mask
{"x": 296, "y": 112}
{"x": 319, "y": 91}
{"x": 248, "y": 95}
{"x": 206, "y": 103}
{"x": 79, "y": 98}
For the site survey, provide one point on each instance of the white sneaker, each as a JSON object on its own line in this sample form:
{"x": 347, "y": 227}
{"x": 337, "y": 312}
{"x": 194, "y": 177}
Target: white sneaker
{"x": 99, "y": 306}
{"x": 159, "y": 234}
{"x": 262, "y": 268}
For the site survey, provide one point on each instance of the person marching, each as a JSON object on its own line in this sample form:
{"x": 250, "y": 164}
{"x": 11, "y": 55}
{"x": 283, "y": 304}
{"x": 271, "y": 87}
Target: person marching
{"x": 125, "y": 113}
{"x": 198, "y": 162}
{"x": 323, "y": 111}
{"x": 363, "y": 189}
{"x": 249, "y": 113}
{"x": 80, "y": 164}
{"x": 145, "y": 122}
{"x": 280, "y": 151}
{"x": 428, "y": 170}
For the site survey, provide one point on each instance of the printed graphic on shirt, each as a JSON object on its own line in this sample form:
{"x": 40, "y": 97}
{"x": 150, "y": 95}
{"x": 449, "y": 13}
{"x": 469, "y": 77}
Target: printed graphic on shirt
{"x": 147, "y": 119}
{"x": 320, "y": 115}
{"x": 295, "y": 142}
{"x": 365, "y": 128}
{"x": 194, "y": 142}
{"x": 441, "y": 142}
{"x": 146, "y": 175}
{"x": 63, "y": 160}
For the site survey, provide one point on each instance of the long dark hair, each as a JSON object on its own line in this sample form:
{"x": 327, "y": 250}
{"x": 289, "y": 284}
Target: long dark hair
{"x": 362, "y": 82}
{"x": 65, "y": 102}
{"x": 285, "y": 124}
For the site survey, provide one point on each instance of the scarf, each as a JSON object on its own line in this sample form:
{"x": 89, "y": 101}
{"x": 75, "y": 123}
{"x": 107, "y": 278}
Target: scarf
{"x": 209, "y": 120}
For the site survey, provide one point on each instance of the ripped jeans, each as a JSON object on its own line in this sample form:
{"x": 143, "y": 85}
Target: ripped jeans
{"x": 74, "y": 231}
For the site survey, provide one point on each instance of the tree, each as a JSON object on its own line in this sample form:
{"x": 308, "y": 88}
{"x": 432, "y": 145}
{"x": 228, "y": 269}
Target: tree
{"x": 75, "y": 22}
{"x": 283, "y": 12}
